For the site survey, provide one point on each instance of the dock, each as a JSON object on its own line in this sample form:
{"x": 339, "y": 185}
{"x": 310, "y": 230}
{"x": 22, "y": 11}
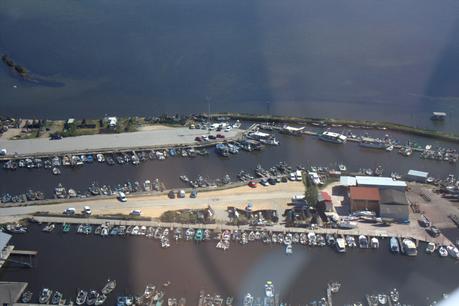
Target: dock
{"x": 10, "y": 292}
{"x": 23, "y": 252}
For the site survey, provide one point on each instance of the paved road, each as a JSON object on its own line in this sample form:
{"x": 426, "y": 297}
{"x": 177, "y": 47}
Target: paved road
{"x": 107, "y": 142}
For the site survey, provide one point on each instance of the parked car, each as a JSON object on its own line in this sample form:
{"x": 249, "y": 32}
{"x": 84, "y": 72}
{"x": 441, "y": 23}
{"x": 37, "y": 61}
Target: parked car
{"x": 197, "y": 138}
{"x": 220, "y": 136}
{"x": 69, "y": 211}
{"x": 181, "y": 193}
{"x": 87, "y": 210}
{"x": 171, "y": 194}
{"x": 272, "y": 181}
{"x": 136, "y": 212}
{"x": 122, "y": 197}
{"x": 433, "y": 231}
{"x": 252, "y": 184}
{"x": 212, "y": 137}
{"x": 194, "y": 193}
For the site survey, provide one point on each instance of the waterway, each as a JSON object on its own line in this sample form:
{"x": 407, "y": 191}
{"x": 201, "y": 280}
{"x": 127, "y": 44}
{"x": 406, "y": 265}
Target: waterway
{"x": 306, "y": 151}
{"x": 69, "y": 261}
{"x": 367, "y": 59}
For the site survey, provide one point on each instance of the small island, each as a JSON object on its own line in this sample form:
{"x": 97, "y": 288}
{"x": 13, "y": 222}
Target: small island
{"x": 22, "y": 71}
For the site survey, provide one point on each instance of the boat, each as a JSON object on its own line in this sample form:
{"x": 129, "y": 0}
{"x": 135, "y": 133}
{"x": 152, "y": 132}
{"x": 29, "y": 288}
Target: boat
{"x": 49, "y": 228}
{"x": 453, "y": 251}
{"x": 340, "y": 245}
{"x": 442, "y": 251}
{"x": 288, "y": 249}
{"x": 56, "y": 298}
{"x": 26, "y": 297}
{"x": 333, "y": 137}
{"x": 382, "y": 299}
{"x": 248, "y": 300}
{"x": 390, "y": 148}
{"x": 374, "y": 243}
{"x": 409, "y": 247}
{"x": 350, "y": 241}
{"x": 394, "y": 246}
{"x": 56, "y": 171}
{"x": 222, "y": 150}
{"x": 394, "y": 295}
{"x": 45, "y": 296}
{"x": 92, "y": 297}
{"x": 363, "y": 242}
{"x": 342, "y": 167}
{"x": 269, "y": 289}
{"x": 100, "y": 299}
{"x": 430, "y": 248}
{"x": 346, "y": 224}
{"x": 372, "y": 143}
{"x": 109, "y": 286}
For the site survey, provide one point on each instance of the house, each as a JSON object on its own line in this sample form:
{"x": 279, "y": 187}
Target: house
{"x": 324, "y": 199}
{"x": 393, "y": 205}
{"x": 364, "y": 198}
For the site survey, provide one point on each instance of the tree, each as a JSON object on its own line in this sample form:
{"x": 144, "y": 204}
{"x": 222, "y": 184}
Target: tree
{"x": 311, "y": 192}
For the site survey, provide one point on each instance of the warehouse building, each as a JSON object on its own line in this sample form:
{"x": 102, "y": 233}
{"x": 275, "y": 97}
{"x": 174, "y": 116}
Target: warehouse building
{"x": 380, "y": 182}
{"x": 393, "y": 205}
{"x": 364, "y": 198}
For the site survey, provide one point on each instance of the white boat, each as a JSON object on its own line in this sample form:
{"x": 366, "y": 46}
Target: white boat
{"x": 269, "y": 289}
{"x": 350, "y": 240}
{"x": 312, "y": 238}
{"x": 430, "y": 248}
{"x": 333, "y": 137}
{"x": 248, "y": 300}
{"x": 453, "y": 251}
{"x": 409, "y": 247}
{"x": 382, "y": 299}
{"x": 442, "y": 251}
{"x": 340, "y": 245}
{"x": 347, "y": 224}
{"x": 390, "y": 148}
{"x": 342, "y": 167}
{"x": 363, "y": 242}
{"x": 394, "y": 246}
{"x": 288, "y": 249}
{"x": 374, "y": 243}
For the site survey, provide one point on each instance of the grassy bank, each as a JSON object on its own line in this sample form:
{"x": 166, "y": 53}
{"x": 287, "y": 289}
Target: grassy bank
{"x": 451, "y": 137}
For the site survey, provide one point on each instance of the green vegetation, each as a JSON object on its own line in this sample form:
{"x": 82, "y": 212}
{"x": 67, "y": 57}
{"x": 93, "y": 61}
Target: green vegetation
{"x": 358, "y": 123}
{"x": 311, "y": 192}
{"x": 187, "y": 216}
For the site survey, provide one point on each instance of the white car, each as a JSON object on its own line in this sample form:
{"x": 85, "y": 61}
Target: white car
{"x": 87, "y": 210}
{"x": 69, "y": 211}
{"x": 122, "y": 197}
{"x": 228, "y": 128}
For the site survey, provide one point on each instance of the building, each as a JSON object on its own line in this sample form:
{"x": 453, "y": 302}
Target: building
{"x": 364, "y": 198}
{"x": 393, "y": 205}
{"x": 325, "y": 199}
{"x": 380, "y": 182}
{"x": 347, "y": 181}
{"x": 417, "y": 176}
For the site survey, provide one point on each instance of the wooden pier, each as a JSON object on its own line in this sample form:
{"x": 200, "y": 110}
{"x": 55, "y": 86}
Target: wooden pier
{"x": 23, "y": 252}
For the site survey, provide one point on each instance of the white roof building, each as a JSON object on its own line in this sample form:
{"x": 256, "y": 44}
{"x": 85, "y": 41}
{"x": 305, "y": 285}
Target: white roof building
{"x": 380, "y": 182}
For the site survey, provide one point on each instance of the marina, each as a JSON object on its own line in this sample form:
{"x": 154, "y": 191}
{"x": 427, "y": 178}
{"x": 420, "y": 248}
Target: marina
{"x": 236, "y": 281}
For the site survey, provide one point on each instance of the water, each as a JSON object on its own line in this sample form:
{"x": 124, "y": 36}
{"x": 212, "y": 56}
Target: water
{"x": 389, "y": 60}
{"x": 294, "y": 150}
{"x": 70, "y": 261}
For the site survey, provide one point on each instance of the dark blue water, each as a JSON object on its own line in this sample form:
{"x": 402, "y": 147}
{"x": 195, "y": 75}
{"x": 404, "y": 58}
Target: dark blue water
{"x": 391, "y": 60}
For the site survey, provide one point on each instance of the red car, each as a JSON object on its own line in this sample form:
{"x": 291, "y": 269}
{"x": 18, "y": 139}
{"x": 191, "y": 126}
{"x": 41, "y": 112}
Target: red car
{"x": 252, "y": 184}
{"x": 198, "y": 139}
{"x": 220, "y": 136}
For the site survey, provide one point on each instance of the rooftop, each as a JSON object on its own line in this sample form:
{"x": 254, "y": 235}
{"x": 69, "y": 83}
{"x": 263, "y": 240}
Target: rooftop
{"x": 347, "y": 181}
{"x": 393, "y": 197}
{"x": 379, "y": 181}
{"x": 364, "y": 193}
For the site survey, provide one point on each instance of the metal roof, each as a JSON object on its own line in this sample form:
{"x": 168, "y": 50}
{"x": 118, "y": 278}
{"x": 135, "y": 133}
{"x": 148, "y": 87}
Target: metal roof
{"x": 393, "y": 197}
{"x": 364, "y": 193}
{"x": 347, "y": 181}
{"x": 379, "y": 181}
{"x": 418, "y": 173}
{"x": 4, "y": 239}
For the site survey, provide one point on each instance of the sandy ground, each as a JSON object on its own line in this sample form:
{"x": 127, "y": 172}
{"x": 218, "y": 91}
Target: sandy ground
{"x": 10, "y": 133}
{"x": 153, "y": 127}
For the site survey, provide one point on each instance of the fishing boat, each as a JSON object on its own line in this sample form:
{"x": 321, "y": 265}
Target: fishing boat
{"x": 340, "y": 245}
{"x": 100, "y": 299}
{"x": 26, "y": 297}
{"x": 49, "y": 228}
{"x": 350, "y": 241}
{"x": 409, "y": 247}
{"x": 56, "y": 171}
{"x": 394, "y": 246}
{"x": 442, "y": 251}
{"x": 92, "y": 297}
{"x": 56, "y": 298}
{"x": 394, "y": 295}
{"x": 453, "y": 251}
{"x": 371, "y": 143}
{"x": 382, "y": 299}
{"x": 109, "y": 286}
{"x": 430, "y": 248}
{"x": 374, "y": 243}
{"x": 363, "y": 242}
{"x": 66, "y": 227}
{"x": 288, "y": 249}
{"x": 199, "y": 235}
{"x": 248, "y": 300}
{"x": 333, "y": 137}
{"x": 269, "y": 289}
{"x": 45, "y": 296}
{"x": 222, "y": 150}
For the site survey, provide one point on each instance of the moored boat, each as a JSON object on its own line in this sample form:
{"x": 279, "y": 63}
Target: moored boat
{"x": 45, "y": 296}
{"x": 394, "y": 246}
{"x": 109, "y": 286}
{"x": 81, "y": 297}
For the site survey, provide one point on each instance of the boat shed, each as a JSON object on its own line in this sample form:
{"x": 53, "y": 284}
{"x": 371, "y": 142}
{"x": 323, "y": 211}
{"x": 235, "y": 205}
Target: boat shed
{"x": 347, "y": 181}
{"x": 325, "y": 199}
{"x": 417, "y": 176}
{"x": 364, "y": 198}
{"x": 393, "y": 205}
{"x": 380, "y": 182}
